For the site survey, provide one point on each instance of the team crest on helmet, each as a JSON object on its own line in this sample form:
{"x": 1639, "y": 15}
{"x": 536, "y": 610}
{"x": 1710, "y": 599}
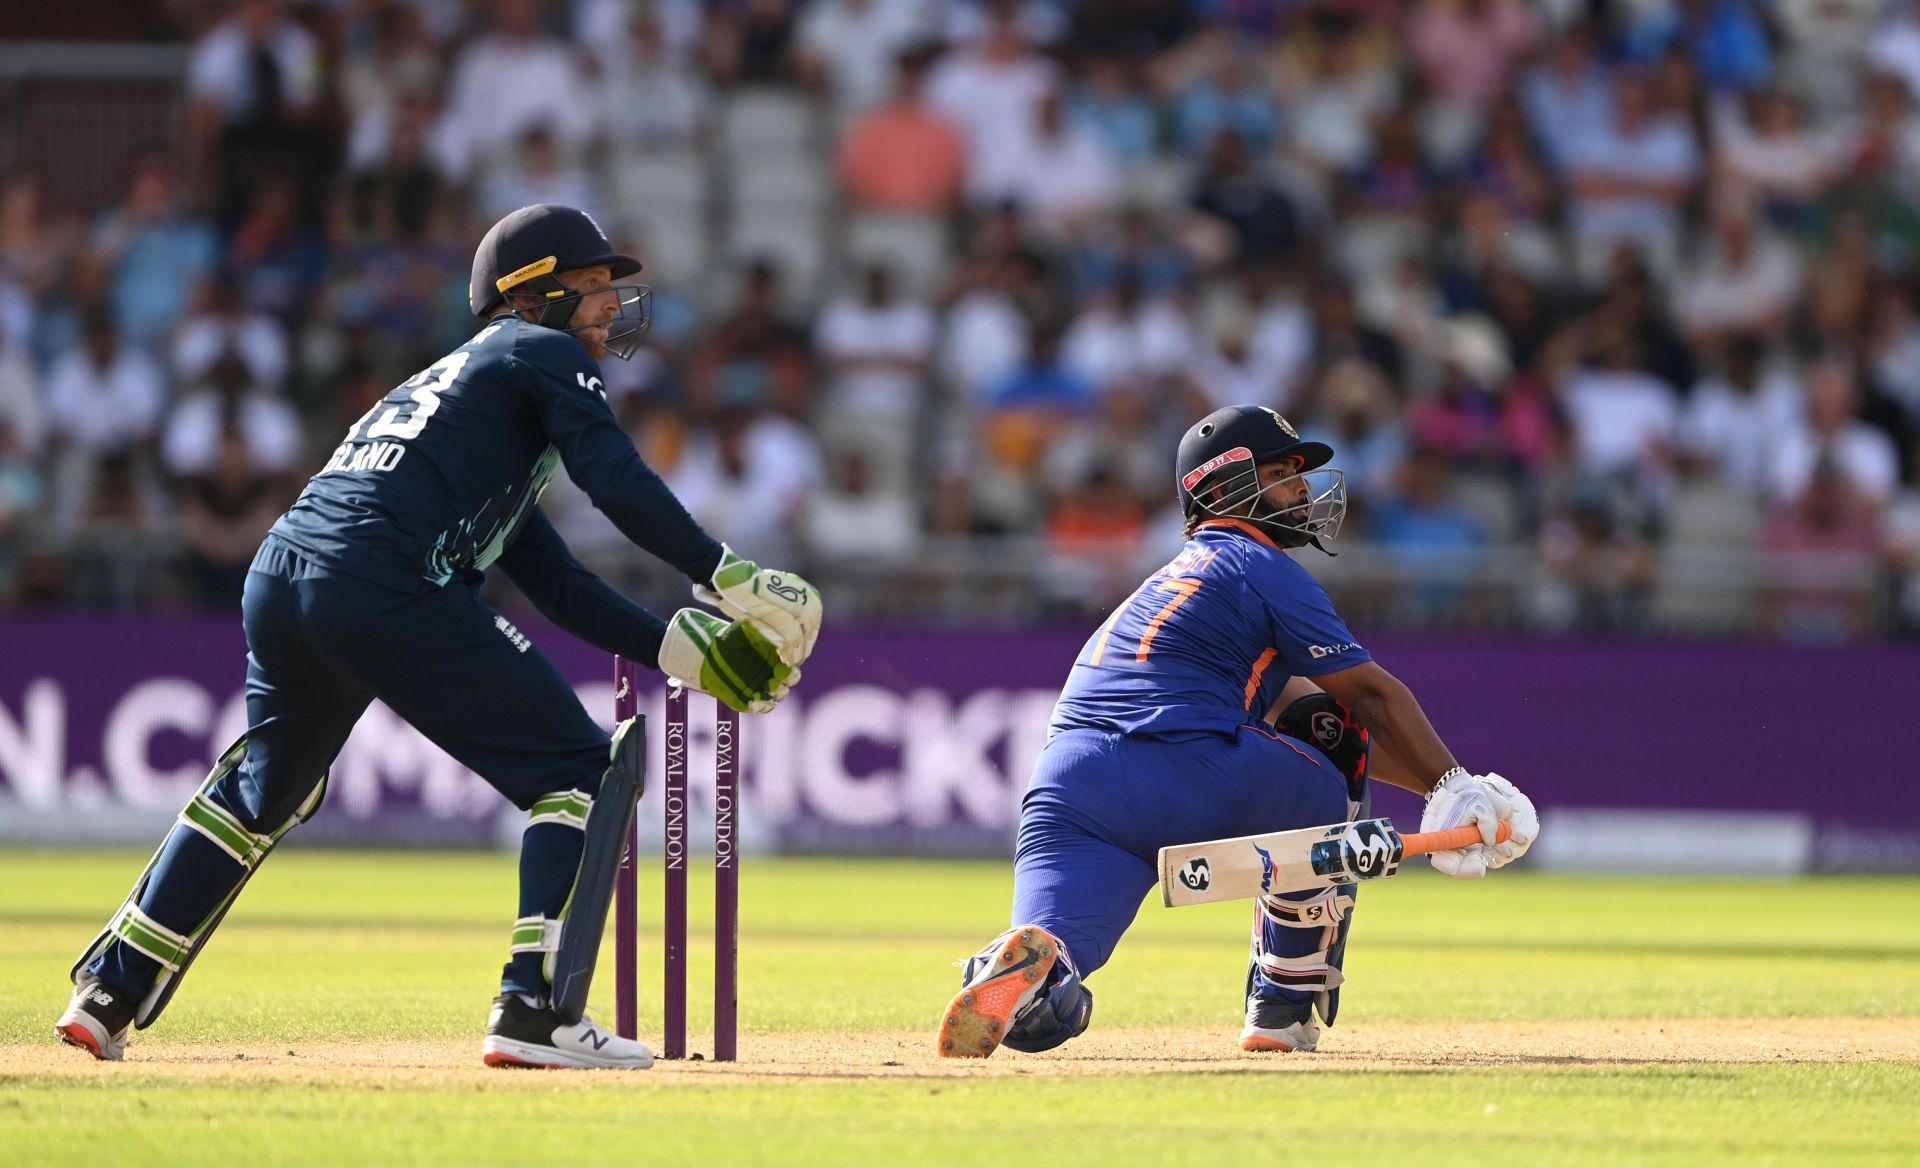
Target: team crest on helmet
{"x": 1286, "y": 427}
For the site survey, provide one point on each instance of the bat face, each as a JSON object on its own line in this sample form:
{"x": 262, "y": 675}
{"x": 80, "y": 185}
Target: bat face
{"x": 1279, "y": 862}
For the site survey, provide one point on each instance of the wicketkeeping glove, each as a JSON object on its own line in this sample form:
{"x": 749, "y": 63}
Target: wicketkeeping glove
{"x": 732, "y": 660}
{"x": 785, "y": 607}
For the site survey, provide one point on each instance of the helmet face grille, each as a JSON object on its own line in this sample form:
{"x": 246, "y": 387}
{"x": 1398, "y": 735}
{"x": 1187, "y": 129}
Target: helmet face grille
{"x": 1278, "y": 508}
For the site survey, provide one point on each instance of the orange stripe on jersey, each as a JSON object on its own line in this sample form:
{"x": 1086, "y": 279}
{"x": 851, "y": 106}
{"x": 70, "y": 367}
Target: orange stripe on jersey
{"x": 1100, "y": 646}
{"x": 1182, "y": 589}
{"x": 1243, "y": 526}
{"x": 1259, "y": 671}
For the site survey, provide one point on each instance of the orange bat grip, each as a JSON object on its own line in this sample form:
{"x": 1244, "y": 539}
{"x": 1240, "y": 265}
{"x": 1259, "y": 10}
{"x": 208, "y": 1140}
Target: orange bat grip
{"x": 1421, "y": 843}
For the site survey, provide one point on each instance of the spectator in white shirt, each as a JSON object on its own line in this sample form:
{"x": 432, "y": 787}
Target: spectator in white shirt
{"x": 104, "y": 400}
{"x": 225, "y": 325}
{"x": 851, "y": 46}
{"x": 1060, "y": 173}
{"x": 1862, "y": 454}
{"x": 1123, "y": 334}
{"x": 539, "y": 174}
{"x": 985, "y": 336}
{"x": 228, "y": 65}
{"x": 21, "y": 412}
{"x": 648, "y": 93}
{"x": 749, "y": 477}
{"x": 228, "y": 397}
{"x": 1733, "y": 421}
{"x": 509, "y": 81}
{"x": 991, "y": 92}
{"x": 1623, "y": 417}
{"x": 1747, "y": 280}
{"x": 1771, "y": 149}
{"x": 877, "y": 349}
{"x": 1630, "y": 181}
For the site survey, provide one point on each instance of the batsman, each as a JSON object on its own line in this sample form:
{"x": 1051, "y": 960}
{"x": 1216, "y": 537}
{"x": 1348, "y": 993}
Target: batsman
{"x": 370, "y": 587}
{"x": 1225, "y": 697}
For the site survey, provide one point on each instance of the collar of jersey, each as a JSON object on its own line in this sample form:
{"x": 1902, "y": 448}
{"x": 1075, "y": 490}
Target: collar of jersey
{"x": 1241, "y": 526}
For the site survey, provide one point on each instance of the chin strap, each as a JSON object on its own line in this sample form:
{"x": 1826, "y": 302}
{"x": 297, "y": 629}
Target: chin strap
{"x": 1315, "y": 541}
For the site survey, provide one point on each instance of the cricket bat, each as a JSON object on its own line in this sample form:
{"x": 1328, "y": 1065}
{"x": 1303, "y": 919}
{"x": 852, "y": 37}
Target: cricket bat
{"x": 1292, "y": 861}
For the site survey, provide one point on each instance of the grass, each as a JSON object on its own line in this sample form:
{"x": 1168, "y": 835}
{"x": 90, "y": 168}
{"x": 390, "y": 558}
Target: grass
{"x": 331, "y": 947}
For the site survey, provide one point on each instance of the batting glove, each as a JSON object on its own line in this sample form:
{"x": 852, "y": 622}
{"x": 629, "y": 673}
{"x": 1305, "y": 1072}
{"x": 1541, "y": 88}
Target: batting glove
{"x": 1521, "y": 815}
{"x": 1459, "y": 799}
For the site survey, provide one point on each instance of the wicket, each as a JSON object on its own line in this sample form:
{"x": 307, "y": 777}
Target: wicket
{"x": 726, "y": 881}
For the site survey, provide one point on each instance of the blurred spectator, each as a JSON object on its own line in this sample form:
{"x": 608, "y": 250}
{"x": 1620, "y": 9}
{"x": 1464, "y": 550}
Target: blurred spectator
{"x": 903, "y": 156}
{"x": 650, "y": 95}
{"x": 1824, "y": 48}
{"x": 1628, "y": 183}
{"x": 1045, "y": 386}
{"x": 1428, "y": 536}
{"x": 853, "y": 519}
{"x": 1233, "y": 190}
{"x": 1623, "y": 417}
{"x": 388, "y": 60}
{"x": 1890, "y": 345}
{"x": 1733, "y": 421}
{"x": 1598, "y": 571}
{"x": 1508, "y": 166}
{"x": 1109, "y": 101}
{"x": 1900, "y": 544}
{"x": 1123, "y": 334}
{"x": 22, "y": 487}
{"x": 277, "y": 261}
{"x": 151, "y": 254}
{"x": 513, "y": 79}
{"x": 538, "y": 174}
{"x": 1359, "y": 417}
{"x": 1772, "y": 151}
{"x": 225, "y": 509}
{"x": 1126, "y": 440}
{"x": 1886, "y": 142}
{"x": 1480, "y": 417}
{"x": 875, "y": 350}
{"x": 601, "y": 28}
{"x": 1821, "y": 553}
{"x": 750, "y": 42}
{"x": 1464, "y": 50}
{"x": 1226, "y": 373}
{"x": 228, "y": 401}
{"x": 986, "y": 334}
{"x": 22, "y": 414}
{"x": 750, "y": 476}
{"x": 1833, "y": 434}
{"x": 397, "y": 188}
{"x": 1059, "y": 172}
{"x": 225, "y": 324}
{"x": 1129, "y": 246}
{"x": 1746, "y": 280}
{"x": 255, "y": 81}
{"x": 1230, "y": 96}
{"x": 850, "y": 46}
{"x": 1395, "y": 181}
{"x": 1094, "y": 533}
{"x": 1334, "y": 95}
{"x": 1339, "y": 333}
{"x": 104, "y": 401}
{"x": 36, "y": 248}
{"x": 1567, "y": 95}
{"x": 992, "y": 91}
{"x": 755, "y": 348}
{"x": 1725, "y": 39}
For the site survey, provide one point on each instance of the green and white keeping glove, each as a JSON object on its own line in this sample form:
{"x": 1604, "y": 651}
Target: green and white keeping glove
{"x": 732, "y": 660}
{"x": 782, "y": 605}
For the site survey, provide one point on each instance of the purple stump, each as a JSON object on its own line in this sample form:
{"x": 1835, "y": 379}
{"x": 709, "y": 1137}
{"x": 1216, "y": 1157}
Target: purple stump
{"x": 626, "y": 888}
{"x": 726, "y": 884}
{"x": 675, "y": 817}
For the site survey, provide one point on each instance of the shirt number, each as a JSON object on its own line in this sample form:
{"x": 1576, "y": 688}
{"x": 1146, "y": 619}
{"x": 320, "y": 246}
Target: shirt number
{"x": 405, "y": 420}
{"x": 1182, "y": 590}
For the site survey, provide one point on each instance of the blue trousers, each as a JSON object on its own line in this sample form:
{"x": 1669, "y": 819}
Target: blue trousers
{"x": 320, "y": 649}
{"x": 1101, "y": 806}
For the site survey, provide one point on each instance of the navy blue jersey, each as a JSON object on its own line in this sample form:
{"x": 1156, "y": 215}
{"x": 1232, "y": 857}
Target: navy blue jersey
{"x": 1207, "y": 643}
{"x": 439, "y": 476}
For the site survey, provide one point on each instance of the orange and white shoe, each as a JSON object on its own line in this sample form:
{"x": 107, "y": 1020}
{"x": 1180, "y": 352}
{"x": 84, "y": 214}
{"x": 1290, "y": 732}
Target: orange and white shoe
{"x": 97, "y": 1020}
{"x": 1279, "y": 1025}
{"x": 523, "y": 1034}
{"x": 1002, "y": 980}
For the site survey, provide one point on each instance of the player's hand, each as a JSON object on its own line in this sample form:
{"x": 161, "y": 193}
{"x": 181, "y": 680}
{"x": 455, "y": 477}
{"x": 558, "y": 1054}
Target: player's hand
{"x": 1460, "y": 800}
{"x": 1521, "y": 815}
{"x": 785, "y": 607}
{"x": 732, "y": 660}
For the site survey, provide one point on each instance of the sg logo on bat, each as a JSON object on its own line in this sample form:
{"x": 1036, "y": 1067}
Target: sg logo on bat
{"x": 1197, "y": 874}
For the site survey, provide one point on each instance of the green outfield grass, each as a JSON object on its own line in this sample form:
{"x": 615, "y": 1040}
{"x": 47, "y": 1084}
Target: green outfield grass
{"x": 331, "y": 949}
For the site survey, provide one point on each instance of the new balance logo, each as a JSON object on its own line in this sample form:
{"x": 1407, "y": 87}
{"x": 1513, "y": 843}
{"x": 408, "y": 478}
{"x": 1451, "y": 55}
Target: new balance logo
{"x": 598, "y": 1039}
{"x": 99, "y": 996}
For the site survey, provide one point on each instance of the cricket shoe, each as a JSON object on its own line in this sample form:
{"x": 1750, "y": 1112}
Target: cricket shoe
{"x": 523, "y": 1035}
{"x": 1002, "y": 980}
{"x": 1275, "y": 1024}
{"x": 97, "y": 1019}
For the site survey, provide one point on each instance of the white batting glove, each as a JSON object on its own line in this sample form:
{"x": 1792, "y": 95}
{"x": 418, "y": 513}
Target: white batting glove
{"x": 781, "y": 605}
{"x": 1523, "y": 818}
{"x": 1463, "y": 799}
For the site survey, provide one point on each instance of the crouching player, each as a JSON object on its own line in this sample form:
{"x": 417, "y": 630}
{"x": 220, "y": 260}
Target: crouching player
{"x": 369, "y": 587}
{"x": 1159, "y": 738}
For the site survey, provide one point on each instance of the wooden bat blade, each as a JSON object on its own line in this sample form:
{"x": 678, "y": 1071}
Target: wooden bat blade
{"x": 1294, "y": 861}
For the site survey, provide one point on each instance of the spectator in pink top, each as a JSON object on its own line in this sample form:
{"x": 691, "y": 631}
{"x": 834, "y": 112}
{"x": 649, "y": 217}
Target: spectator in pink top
{"x": 902, "y": 156}
{"x": 1465, "y": 50}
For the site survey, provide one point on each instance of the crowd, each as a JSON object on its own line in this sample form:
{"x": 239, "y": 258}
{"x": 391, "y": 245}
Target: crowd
{"x": 1611, "y": 309}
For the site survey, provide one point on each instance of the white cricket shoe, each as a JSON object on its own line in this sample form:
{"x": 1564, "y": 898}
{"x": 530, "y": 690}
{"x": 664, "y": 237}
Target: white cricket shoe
{"x": 97, "y": 1020}
{"x": 1276, "y": 1025}
{"x": 519, "y": 1035}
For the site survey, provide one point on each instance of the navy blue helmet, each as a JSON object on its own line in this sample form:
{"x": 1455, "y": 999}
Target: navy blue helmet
{"x": 1218, "y": 471}
{"x": 521, "y": 255}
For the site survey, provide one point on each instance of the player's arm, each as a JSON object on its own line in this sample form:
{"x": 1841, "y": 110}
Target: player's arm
{"x": 1387, "y": 708}
{"x": 601, "y": 460}
{"x": 729, "y": 660}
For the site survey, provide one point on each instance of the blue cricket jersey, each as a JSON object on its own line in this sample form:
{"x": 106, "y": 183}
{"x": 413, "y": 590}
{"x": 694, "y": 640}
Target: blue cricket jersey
{"x": 439, "y": 480}
{"x": 1207, "y": 643}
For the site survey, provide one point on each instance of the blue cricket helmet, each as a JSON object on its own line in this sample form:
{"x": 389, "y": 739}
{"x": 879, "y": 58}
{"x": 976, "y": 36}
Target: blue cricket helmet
{"x": 1217, "y": 471}
{"x": 522, "y": 253}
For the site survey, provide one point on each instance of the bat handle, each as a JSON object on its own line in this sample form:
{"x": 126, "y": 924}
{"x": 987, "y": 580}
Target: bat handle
{"x": 1421, "y": 843}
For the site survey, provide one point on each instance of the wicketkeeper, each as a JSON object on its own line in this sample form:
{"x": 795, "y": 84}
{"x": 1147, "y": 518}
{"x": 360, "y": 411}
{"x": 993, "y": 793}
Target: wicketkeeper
{"x": 369, "y": 587}
{"x": 1225, "y": 697}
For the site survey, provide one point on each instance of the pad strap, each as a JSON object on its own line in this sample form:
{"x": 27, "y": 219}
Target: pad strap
{"x": 226, "y": 831}
{"x": 536, "y": 935}
{"x": 564, "y": 807}
{"x": 1313, "y": 971}
{"x": 151, "y": 937}
{"x": 1325, "y": 908}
